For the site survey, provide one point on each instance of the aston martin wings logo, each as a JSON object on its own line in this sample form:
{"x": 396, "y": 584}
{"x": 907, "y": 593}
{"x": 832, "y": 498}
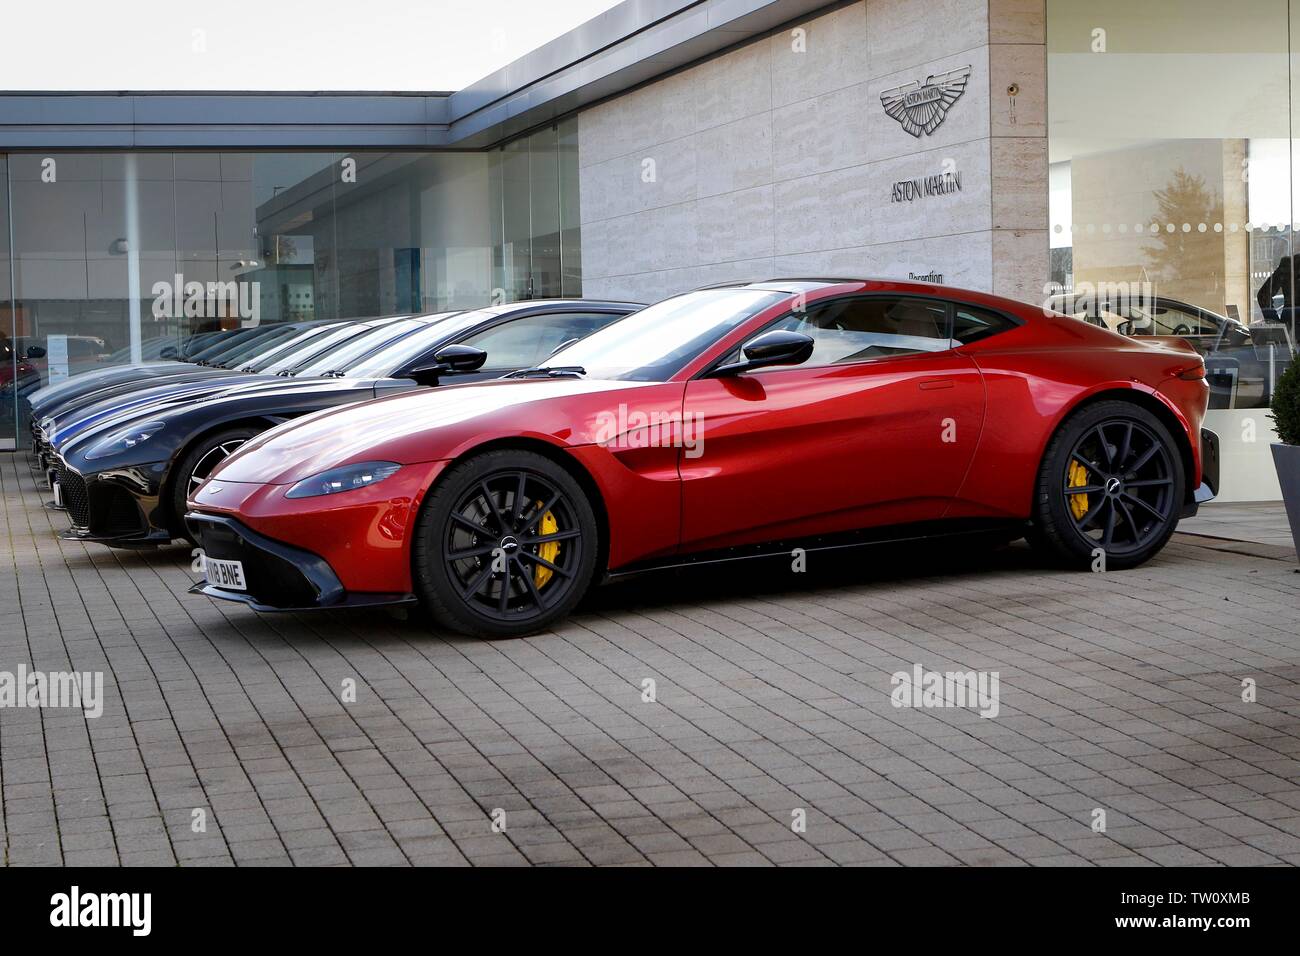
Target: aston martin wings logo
{"x": 921, "y": 107}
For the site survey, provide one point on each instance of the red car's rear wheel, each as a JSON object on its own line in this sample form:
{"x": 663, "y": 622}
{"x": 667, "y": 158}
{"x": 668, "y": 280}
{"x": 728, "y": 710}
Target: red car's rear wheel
{"x": 505, "y": 545}
{"x": 1111, "y": 481}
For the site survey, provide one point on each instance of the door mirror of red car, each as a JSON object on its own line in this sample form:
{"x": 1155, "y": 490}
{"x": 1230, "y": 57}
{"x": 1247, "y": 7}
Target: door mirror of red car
{"x": 35, "y": 351}
{"x": 778, "y": 347}
{"x": 449, "y": 360}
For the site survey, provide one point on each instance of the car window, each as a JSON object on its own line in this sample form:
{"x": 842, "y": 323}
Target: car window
{"x": 359, "y": 346}
{"x": 278, "y": 360}
{"x": 527, "y": 342}
{"x": 251, "y": 348}
{"x": 1170, "y": 320}
{"x": 970, "y": 324}
{"x": 861, "y": 329}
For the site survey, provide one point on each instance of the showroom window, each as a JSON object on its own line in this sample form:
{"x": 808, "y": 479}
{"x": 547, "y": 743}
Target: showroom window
{"x": 1172, "y": 158}
{"x": 124, "y": 256}
{"x": 535, "y": 240}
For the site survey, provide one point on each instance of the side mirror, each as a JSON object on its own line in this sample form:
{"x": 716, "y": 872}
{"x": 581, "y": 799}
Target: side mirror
{"x": 448, "y": 360}
{"x": 35, "y": 351}
{"x": 460, "y": 358}
{"x": 778, "y": 347}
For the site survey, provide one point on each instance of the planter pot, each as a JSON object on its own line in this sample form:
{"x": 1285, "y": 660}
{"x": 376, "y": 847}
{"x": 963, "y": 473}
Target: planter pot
{"x": 1287, "y": 460}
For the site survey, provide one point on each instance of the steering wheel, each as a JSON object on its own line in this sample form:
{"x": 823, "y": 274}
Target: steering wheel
{"x": 1182, "y": 329}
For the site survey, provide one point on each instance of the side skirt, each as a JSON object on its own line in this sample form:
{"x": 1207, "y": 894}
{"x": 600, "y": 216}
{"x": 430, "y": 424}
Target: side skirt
{"x": 899, "y": 534}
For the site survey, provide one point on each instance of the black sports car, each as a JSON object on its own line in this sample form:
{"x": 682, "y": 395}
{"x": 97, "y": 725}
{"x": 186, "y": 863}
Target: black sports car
{"x": 280, "y": 355}
{"x": 125, "y": 480}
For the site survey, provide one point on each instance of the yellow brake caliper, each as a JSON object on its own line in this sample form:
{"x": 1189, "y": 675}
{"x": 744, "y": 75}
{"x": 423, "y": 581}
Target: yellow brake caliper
{"x": 548, "y": 551}
{"x": 1078, "y": 478}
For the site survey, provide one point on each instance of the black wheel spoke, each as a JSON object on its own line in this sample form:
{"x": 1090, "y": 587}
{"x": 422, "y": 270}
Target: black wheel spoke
{"x": 1091, "y": 514}
{"x": 1122, "y": 455}
{"x": 547, "y": 539}
{"x": 538, "y": 559}
{"x": 1128, "y": 518}
{"x": 1149, "y": 483}
{"x": 517, "y": 506}
{"x": 537, "y": 515}
{"x": 1089, "y": 465}
{"x": 492, "y": 507}
{"x": 1108, "y": 536}
{"x": 1084, "y": 489}
{"x": 1145, "y": 457}
{"x": 471, "y": 589}
{"x": 504, "y": 603}
{"x": 474, "y": 526}
{"x": 528, "y": 580}
{"x": 1105, "y": 445}
{"x": 1134, "y": 500}
{"x": 475, "y": 552}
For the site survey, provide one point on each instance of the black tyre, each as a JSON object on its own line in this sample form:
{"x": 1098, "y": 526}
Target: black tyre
{"x": 195, "y": 467}
{"x": 505, "y": 545}
{"x": 1111, "y": 479}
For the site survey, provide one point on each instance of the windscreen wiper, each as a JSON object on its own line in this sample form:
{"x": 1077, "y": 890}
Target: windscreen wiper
{"x": 553, "y": 371}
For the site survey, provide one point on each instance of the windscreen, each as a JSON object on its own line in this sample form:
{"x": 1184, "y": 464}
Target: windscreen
{"x": 339, "y": 359}
{"x": 654, "y": 344}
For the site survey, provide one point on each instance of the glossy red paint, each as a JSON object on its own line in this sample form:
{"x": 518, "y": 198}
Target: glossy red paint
{"x": 786, "y": 451}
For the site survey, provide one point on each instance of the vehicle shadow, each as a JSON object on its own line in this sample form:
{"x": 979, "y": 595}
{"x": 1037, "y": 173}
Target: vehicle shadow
{"x": 824, "y": 571}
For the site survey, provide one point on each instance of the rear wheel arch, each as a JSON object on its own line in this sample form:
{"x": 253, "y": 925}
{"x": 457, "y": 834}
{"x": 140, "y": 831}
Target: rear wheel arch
{"x": 1151, "y": 404}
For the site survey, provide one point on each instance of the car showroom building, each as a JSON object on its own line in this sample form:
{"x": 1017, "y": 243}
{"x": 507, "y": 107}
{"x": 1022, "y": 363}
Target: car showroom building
{"x": 1134, "y": 156}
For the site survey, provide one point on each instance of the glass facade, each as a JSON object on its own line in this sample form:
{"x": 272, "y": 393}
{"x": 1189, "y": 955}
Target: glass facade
{"x": 107, "y": 258}
{"x": 1172, "y": 151}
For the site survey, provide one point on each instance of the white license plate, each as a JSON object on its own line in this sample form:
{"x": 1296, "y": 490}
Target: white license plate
{"x": 225, "y": 574}
{"x": 58, "y": 494}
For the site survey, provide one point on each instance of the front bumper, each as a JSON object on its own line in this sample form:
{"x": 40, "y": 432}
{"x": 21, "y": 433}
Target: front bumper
{"x": 279, "y": 576}
{"x": 118, "y": 508}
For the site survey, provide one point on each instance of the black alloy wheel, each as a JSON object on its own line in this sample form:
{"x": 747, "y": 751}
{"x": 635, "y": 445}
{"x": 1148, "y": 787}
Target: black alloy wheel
{"x": 195, "y": 467}
{"x": 504, "y": 545}
{"x": 1111, "y": 482}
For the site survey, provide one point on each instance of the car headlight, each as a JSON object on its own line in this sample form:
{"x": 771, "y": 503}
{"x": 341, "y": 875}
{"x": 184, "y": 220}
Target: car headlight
{"x": 124, "y": 440}
{"x": 363, "y": 474}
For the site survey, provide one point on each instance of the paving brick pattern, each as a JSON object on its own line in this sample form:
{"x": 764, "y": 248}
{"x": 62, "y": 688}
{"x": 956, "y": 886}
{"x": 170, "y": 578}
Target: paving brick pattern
{"x": 1119, "y": 691}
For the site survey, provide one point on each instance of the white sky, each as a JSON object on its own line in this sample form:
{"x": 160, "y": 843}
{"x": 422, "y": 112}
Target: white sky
{"x": 280, "y": 45}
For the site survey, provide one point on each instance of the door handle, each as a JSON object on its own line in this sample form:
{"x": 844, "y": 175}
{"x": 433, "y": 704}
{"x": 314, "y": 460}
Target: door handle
{"x": 926, "y": 384}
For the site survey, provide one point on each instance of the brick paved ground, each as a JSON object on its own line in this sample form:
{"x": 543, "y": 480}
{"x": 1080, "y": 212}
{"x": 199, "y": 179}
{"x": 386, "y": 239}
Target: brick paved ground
{"x": 1119, "y": 691}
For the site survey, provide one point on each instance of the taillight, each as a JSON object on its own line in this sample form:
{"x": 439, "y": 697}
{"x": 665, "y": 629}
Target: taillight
{"x": 1194, "y": 373}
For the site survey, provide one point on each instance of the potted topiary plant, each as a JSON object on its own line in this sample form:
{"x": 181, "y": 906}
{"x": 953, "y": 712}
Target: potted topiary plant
{"x": 1286, "y": 451}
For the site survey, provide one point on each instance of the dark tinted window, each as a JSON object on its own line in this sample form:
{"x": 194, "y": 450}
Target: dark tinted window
{"x": 971, "y": 324}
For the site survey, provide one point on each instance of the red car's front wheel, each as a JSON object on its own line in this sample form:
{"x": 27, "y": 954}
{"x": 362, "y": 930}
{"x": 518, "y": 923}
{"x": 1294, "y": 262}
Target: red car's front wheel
{"x": 505, "y": 544}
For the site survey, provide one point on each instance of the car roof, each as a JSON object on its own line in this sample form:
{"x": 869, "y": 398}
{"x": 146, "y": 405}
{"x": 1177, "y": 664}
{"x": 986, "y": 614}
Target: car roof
{"x": 560, "y": 305}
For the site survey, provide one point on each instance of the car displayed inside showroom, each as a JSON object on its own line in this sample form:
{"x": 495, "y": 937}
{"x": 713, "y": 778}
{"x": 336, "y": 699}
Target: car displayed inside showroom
{"x": 659, "y": 433}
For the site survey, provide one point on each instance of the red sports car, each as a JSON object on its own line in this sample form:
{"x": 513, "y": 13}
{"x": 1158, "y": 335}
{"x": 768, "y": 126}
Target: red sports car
{"x": 723, "y": 423}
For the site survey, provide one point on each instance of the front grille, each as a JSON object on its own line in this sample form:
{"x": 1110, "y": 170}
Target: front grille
{"x": 272, "y": 580}
{"x": 75, "y": 500}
